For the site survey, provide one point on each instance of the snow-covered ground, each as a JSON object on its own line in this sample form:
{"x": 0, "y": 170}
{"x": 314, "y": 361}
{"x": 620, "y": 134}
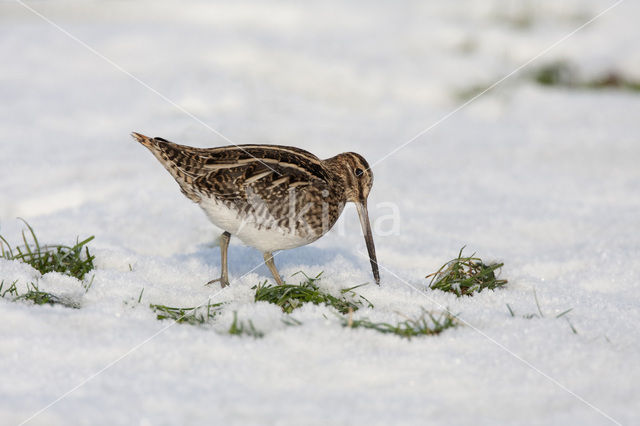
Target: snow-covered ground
{"x": 544, "y": 179}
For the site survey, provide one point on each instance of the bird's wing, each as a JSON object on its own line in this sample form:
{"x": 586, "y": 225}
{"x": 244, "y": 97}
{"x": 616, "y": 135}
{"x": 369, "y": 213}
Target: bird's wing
{"x": 228, "y": 173}
{"x": 268, "y": 173}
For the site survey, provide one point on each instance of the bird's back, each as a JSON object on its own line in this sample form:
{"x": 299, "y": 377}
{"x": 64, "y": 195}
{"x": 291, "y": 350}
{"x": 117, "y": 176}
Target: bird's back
{"x": 268, "y": 183}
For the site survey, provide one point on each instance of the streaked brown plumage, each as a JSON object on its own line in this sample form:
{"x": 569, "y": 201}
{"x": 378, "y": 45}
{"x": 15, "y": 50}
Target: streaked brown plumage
{"x": 272, "y": 197}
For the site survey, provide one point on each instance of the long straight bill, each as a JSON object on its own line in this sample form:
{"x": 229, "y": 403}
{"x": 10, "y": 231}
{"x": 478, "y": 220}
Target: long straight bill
{"x": 368, "y": 238}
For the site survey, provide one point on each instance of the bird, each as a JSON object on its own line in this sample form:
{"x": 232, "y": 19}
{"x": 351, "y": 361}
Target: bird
{"x": 271, "y": 197}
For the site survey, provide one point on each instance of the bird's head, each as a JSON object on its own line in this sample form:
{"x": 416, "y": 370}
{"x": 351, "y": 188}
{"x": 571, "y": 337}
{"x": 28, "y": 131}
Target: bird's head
{"x": 357, "y": 179}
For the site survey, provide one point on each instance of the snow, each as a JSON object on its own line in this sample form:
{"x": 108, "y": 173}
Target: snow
{"x": 544, "y": 179}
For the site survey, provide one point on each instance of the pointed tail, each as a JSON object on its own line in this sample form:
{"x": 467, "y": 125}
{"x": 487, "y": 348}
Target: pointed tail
{"x": 144, "y": 140}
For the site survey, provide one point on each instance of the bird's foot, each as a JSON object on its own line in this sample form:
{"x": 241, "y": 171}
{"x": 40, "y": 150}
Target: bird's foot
{"x": 224, "y": 281}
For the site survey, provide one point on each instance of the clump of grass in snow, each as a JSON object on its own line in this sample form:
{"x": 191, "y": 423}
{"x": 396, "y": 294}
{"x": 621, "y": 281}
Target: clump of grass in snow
{"x": 240, "y": 328}
{"x": 42, "y": 297}
{"x": 193, "y": 316}
{"x": 75, "y": 261}
{"x": 33, "y": 294}
{"x": 426, "y": 324}
{"x": 554, "y": 74}
{"x": 563, "y": 74}
{"x": 293, "y": 296}
{"x": 466, "y": 275}
{"x": 559, "y": 74}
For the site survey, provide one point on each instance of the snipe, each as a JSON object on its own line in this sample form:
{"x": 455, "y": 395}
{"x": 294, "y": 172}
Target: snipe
{"x": 271, "y": 197}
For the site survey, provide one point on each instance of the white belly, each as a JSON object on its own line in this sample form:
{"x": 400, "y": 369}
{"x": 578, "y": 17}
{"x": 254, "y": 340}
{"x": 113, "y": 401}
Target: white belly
{"x": 254, "y": 232}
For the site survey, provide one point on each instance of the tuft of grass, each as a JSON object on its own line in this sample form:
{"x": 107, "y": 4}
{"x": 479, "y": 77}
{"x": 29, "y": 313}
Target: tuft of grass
{"x": 194, "y": 316}
{"x": 33, "y": 294}
{"x": 466, "y": 275}
{"x": 555, "y": 74}
{"x": 427, "y": 324}
{"x": 563, "y": 74}
{"x": 240, "y": 328}
{"x": 613, "y": 80}
{"x": 38, "y": 297}
{"x": 292, "y": 296}
{"x": 75, "y": 261}
{"x": 560, "y": 74}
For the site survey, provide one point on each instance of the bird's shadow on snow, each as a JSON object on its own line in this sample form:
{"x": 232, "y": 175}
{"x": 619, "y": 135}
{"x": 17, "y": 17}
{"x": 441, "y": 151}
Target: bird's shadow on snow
{"x": 243, "y": 260}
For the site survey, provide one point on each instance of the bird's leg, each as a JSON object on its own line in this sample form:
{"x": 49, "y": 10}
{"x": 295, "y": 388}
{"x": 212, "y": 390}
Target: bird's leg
{"x": 268, "y": 259}
{"x": 224, "y": 245}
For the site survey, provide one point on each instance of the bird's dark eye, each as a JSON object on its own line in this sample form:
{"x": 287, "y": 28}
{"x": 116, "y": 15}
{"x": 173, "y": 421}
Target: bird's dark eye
{"x": 359, "y": 172}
